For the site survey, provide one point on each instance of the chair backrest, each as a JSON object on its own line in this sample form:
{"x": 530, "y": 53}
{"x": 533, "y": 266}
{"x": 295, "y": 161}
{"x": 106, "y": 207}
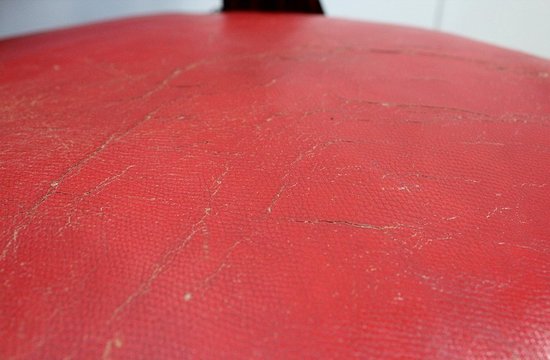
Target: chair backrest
{"x": 303, "y": 6}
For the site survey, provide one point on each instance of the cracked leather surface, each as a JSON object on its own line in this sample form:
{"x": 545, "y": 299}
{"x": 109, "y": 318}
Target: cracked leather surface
{"x": 271, "y": 186}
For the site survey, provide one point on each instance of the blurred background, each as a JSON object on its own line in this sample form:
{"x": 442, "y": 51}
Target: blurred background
{"x": 517, "y": 24}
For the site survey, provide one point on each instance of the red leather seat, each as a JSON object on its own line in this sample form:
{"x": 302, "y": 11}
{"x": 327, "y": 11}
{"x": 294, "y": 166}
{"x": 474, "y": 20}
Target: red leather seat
{"x": 272, "y": 186}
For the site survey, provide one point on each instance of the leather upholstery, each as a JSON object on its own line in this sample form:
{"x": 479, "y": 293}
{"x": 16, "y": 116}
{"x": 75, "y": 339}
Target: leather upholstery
{"x": 272, "y": 186}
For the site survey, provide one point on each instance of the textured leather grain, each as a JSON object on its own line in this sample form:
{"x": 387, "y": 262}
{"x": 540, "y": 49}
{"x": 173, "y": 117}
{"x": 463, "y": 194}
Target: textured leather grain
{"x": 272, "y": 186}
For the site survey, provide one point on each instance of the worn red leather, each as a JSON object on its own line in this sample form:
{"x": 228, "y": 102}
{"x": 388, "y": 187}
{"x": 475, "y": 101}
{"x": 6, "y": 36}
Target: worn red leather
{"x": 272, "y": 186}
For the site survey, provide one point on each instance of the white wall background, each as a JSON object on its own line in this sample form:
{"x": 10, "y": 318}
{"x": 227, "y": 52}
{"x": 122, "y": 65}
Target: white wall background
{"x": 519, "y": 24}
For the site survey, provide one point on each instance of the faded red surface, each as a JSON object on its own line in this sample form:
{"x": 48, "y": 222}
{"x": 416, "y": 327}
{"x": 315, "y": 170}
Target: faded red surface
{"x": 269, "y": 186}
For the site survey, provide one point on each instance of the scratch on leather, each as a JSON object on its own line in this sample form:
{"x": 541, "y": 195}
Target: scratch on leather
{"x": 93, "y": 191}
{"x": 169, "y": 256}
{"x": 115, "y": 342}
{"x": 432, "y": 54}
{"x": 71, "y": 170}
{"x": 284, "y": 184}
{"x": 159, "y": 268}
{"x": 223, "y": 264}
{"x": 173, "y": 75}
{"x": 106, "y": 182}
{"x": 219, "y": 180}
{"x": 350, "y": 223}
{"x": 405, "y": 105}
{"x": 497, "y": 209}
{"x": 278, "y": 194}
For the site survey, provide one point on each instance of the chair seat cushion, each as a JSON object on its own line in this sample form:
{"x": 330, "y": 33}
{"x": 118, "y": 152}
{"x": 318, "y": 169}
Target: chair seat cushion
{"x": 272, "y": 186}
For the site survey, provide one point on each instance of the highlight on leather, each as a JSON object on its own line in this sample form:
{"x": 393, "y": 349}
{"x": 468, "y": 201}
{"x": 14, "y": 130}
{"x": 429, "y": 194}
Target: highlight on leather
{"x": 249, "y": 185}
